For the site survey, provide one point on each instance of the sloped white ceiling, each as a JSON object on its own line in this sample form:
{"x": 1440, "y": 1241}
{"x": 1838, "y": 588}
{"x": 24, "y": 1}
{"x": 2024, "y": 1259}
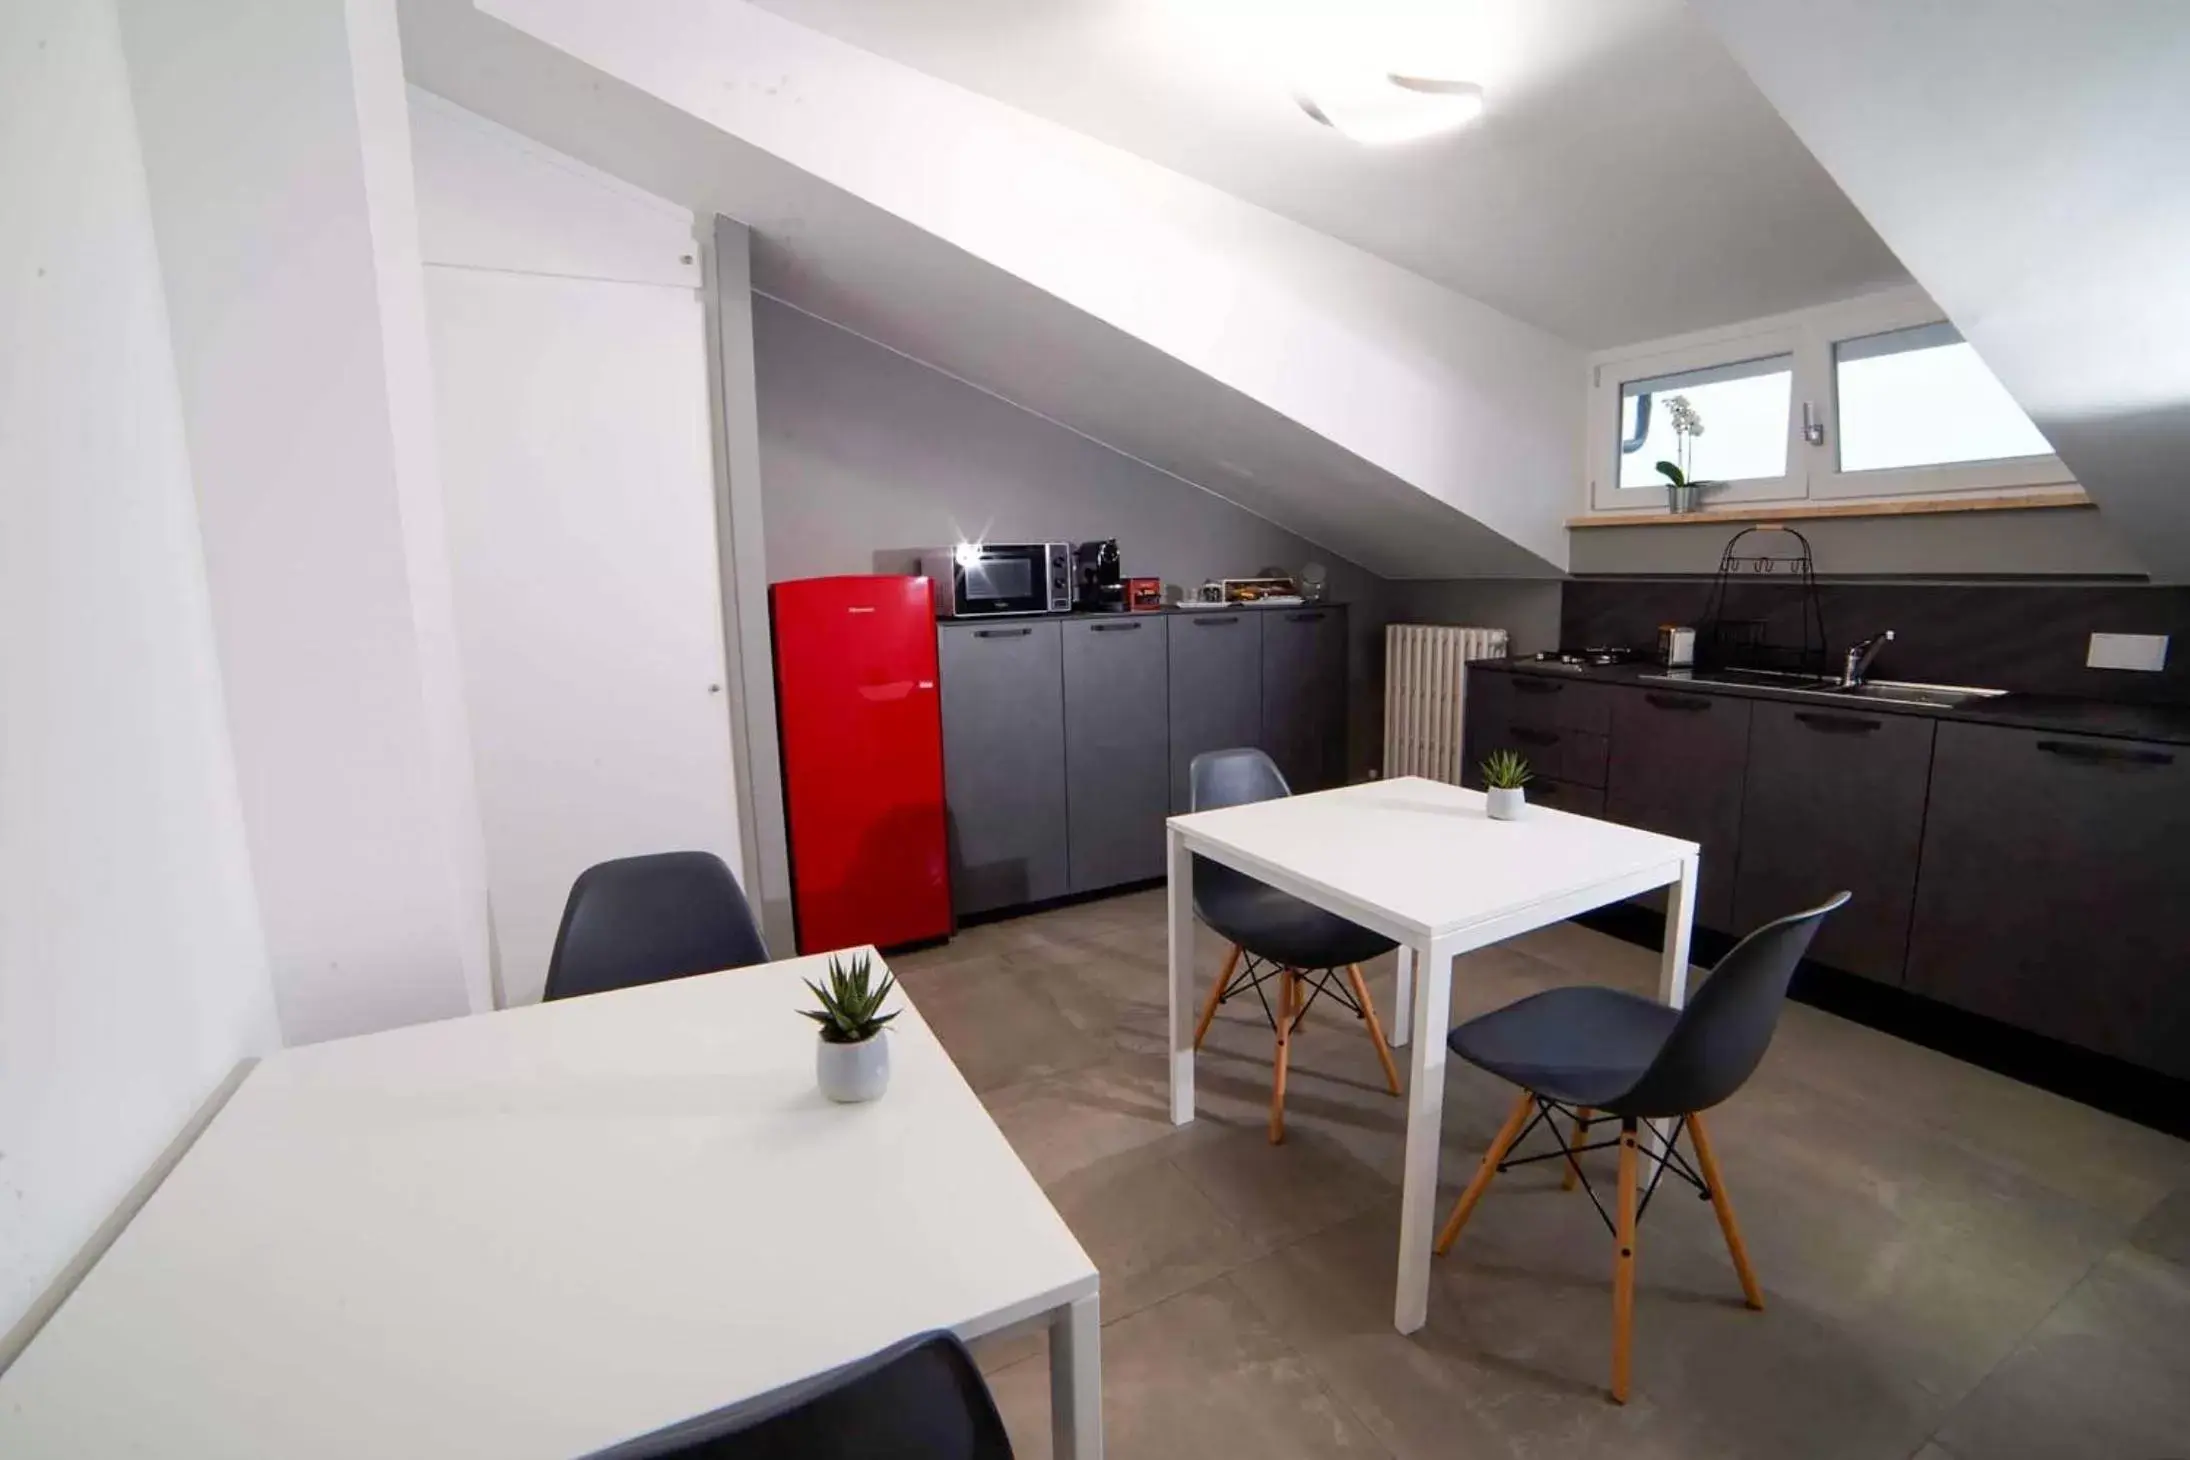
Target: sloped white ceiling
{"x": 1627, "y": 181}
{"x": 2030, "y": 162}
{"x": 1273, "y": 346}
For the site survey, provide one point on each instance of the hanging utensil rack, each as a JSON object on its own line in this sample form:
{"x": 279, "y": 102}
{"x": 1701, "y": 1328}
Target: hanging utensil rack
{"x": 1730, "y": 641}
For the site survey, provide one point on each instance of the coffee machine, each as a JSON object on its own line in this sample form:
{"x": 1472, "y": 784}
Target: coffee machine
{"x": 1100, "y": 580}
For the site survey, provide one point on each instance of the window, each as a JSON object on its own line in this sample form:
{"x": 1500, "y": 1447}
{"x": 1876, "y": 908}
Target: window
{"x": 1877, "y": 397}
{"x": 1743, "y": 410}
{"x": 1921, "y": 397}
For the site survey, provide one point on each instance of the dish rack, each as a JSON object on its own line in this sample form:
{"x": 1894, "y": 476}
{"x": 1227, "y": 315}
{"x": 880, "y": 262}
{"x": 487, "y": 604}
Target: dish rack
{"x": 1731, "y": 639}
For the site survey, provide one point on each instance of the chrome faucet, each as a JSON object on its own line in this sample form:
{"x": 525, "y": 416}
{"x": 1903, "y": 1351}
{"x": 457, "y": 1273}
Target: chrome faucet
{"x": 1860, "y": 656}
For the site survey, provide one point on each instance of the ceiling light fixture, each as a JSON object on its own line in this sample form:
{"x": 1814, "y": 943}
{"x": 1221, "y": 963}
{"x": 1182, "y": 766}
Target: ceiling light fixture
{"x": 1387, "y": 108}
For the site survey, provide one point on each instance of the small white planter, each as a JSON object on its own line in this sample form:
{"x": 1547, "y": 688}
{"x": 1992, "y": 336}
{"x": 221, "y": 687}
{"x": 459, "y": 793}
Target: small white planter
{"x": 852, "y": 1073}
{"x": 1505, "y": 804}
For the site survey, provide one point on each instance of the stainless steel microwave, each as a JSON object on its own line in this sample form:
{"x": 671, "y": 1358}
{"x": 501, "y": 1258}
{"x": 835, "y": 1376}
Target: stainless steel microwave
{"x": 994, "y": 579}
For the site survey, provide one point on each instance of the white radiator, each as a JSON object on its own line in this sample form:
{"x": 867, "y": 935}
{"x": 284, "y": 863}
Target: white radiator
{"x": 1425, "y": 683}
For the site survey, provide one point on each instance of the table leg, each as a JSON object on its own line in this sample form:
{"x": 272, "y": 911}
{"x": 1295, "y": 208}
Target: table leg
{"x": 1425, "y": 1123}
{"x": 1179, "y": 868}
{"x": 1402, "y": 999}
{"x": 1680, "y": 923}
{"x": 1680, "y": 926}
{"x": 1076, "y": 1381}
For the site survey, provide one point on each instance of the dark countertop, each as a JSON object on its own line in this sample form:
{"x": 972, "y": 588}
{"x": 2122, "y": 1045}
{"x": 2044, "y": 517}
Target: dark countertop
{"x": 2113, "y": 719}
{"x": 1169, "y": 610}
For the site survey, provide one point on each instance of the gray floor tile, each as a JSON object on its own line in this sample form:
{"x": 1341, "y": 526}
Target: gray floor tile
{"x": 1197, "y": 1377}
{"x": 2165, "y": 1230}
{"x": 2106, "y": 1376}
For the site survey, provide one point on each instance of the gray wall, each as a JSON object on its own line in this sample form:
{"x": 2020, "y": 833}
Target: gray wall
{"x": 868, "y": 456}
{"x": 2071, "y": 542}
{"x": 1526, "y": 608}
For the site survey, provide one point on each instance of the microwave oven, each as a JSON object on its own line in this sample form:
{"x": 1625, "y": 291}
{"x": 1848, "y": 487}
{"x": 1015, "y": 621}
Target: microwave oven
{"x": 992, "y": 579}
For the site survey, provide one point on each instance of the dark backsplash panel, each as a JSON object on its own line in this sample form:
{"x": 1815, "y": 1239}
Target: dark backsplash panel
{"x": 2030, "y": 637}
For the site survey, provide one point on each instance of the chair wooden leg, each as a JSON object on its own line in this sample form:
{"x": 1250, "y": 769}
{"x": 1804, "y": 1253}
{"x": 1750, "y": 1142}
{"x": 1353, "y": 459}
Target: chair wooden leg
{"x": 1480, "y": 1182}
{"x": 1568, "y": 1180}
{"x": 1623, "y": 1273}
{"x": 1724, "y": 1206}
{"x": 1376, "y": 1030}
{"x": 1284, "y": 1055}
{"x": 1216, "y": 995}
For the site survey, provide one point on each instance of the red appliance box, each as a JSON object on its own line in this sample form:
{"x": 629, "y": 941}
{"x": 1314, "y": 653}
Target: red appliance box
{"x": 860, "y": 717}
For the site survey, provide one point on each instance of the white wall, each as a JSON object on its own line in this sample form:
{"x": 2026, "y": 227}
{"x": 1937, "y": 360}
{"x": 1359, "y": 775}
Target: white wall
{"x": 132, "y": 972}
{"x": 571, "y": 368}
{"x": 2027, "y": 161}
{"x": 1474, "y": 409}
{"x": 277, "y": 158}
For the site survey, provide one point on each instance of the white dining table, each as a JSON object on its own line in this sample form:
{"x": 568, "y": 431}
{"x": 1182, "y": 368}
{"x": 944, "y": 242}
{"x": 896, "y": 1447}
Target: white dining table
{"x": 1422, "y": 863}
{"x": 538, "y": 1232}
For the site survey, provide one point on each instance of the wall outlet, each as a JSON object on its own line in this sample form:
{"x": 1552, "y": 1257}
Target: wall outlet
{"x": 2147, "y": 652}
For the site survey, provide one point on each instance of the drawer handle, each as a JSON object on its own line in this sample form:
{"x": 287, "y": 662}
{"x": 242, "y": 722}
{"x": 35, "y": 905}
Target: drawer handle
{"x": 1689, "y": 703}
{"x": 1210, "y": 623}
{"x": 1839, "y": 724}
{"x": 1533, "y": 737}
{"x": 1001, "y": 633}
{"x": 1530, "y": 686}
{"x": 1113, "y": 628}
{"x": 1304, "y": 618}
{"x": 2104, "y": 754}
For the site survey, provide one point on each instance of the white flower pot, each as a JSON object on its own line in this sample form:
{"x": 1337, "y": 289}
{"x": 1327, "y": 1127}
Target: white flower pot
{"x": 1505, "y": 804}
{"x": 851, "y": 1073}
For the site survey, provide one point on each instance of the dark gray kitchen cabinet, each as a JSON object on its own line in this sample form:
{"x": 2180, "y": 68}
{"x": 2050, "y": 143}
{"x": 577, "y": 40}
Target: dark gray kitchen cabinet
{"x": 1117, "y": 749}
{"x": 1304, "y": 694}
{"x": 1558, "y": 725}
{"x": 1676, "y": 766}
{"x": 1834, "y": 799}
{"x": 1004, "y": 762}
{"x": 2051, "y": 890}
{"x": 1216, "y": 688}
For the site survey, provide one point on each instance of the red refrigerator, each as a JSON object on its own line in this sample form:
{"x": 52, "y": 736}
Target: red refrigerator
{"x": 862, "y": 729}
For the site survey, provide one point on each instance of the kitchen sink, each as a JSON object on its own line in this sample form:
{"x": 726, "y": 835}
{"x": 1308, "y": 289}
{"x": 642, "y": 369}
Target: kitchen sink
{"x": 1901, "y": 692}
{"x": 1878, "y": 691}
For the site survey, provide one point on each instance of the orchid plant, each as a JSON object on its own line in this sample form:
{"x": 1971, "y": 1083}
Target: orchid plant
{"x": 1687, "y": 426}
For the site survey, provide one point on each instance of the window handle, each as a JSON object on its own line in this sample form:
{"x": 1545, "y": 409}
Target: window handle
{"x": 1813, "y": 424}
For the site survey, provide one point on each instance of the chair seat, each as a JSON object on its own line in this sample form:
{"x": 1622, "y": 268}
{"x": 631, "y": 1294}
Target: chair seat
{"x": 1280, "y": 928}
{"x": 1582, "y": 1046}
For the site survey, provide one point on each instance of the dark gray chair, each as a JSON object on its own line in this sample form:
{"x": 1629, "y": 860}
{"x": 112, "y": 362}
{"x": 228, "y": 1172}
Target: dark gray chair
{"x": 1596, "y": 1052}
{"x": 645, "y": 919}
{"x": 1276, "y": 934}
{"x": 923, "y": 1399}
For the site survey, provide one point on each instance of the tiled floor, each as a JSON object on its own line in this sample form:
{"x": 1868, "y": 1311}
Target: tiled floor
{"x": 1955, "y": 1265}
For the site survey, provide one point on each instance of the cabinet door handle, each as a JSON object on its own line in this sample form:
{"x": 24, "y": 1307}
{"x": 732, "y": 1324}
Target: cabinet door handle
{"x": 1533, "y": 737}
{"x": 1113, "y": 628}
{"x": 1001, "y": 633}
{"x": 2104, "y": 754}
{"x": 1208, "y": 623}
{"x": 1531, "y": 686}
{"x": 1689, "y": 703}
{"x": 1304, "y": 618}
{"x": 1838, "y": 724}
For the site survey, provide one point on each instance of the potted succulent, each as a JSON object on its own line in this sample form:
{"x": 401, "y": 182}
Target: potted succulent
{"x": 852, "y": 1059}
{"x": 1504, "y": 774}
{"x": 1682, "y": 492}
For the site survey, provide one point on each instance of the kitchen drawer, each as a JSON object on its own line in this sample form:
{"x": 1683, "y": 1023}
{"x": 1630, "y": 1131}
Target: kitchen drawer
{"x": 1565, "y": 755}
{"x": 1561, "y": 704}
{"x": 1567, "y": 796}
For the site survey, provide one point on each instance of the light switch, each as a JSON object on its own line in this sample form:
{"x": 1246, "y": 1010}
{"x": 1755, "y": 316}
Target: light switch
{"x": 2128, "y": 651}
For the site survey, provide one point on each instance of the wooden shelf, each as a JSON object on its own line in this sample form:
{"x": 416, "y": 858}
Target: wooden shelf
{"x": 1765, "y": 512}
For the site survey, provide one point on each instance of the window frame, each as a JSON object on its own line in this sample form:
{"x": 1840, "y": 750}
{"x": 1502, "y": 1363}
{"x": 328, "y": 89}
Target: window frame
{"x": 1813, "y": 471}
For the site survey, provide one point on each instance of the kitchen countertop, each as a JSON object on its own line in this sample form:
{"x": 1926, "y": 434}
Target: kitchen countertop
{"x": 2108, "y": 718}
{"x": 1169, "y": 610}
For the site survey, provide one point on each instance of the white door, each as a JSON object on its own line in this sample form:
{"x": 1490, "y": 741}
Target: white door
{"x": 577, "y": 463}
